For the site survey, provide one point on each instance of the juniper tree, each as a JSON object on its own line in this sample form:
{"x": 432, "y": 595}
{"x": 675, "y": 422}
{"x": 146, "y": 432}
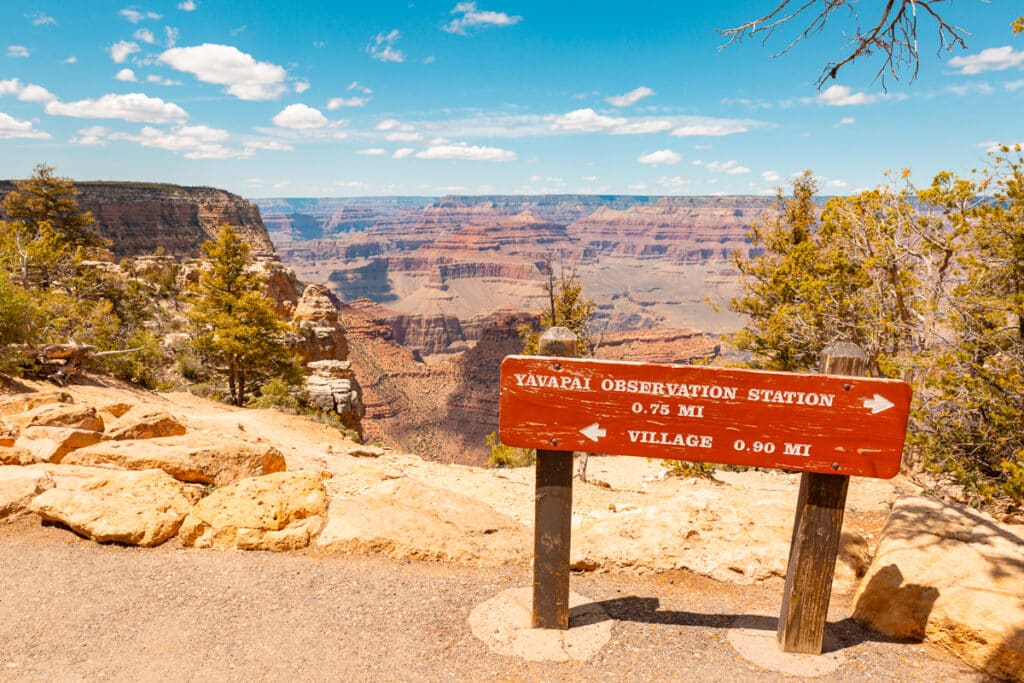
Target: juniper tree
{"x": 234, "y": 324}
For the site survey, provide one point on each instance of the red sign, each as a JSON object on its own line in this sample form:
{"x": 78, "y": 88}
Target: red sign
{"x": 805, "y": 422}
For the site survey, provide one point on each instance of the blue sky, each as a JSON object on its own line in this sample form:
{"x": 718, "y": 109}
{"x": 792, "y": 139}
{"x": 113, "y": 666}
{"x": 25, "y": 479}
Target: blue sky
{"x": 429, "y": 98}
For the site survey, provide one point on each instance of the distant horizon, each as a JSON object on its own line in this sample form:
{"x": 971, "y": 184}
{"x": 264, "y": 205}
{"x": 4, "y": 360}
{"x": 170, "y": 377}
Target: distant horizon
{"x": 509, "y": 97}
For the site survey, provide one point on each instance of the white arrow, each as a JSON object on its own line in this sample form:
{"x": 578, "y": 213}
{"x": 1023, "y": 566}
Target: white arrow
{"x": 594, "y": 432}
{"x": 878, "y": 404}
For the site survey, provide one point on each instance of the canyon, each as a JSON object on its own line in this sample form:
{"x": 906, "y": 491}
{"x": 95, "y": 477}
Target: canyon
{"x": 430, "y": 292}
{"x": 648, "y": 262}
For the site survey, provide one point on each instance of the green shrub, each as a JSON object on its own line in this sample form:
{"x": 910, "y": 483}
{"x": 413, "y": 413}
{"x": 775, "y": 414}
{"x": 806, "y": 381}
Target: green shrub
{"x": 508, "y": 456}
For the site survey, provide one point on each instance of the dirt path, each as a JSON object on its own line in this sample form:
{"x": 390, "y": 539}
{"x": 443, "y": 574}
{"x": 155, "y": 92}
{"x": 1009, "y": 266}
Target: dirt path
{"x": 74, "y": 610}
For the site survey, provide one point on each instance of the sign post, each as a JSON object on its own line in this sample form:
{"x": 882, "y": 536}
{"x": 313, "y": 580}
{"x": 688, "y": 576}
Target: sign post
{"x": 817, "y": 529}
{"x": 829, "y": 426}
{"x": 552, "y": 528}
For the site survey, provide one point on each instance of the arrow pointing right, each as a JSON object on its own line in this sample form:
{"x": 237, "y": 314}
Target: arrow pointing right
{"x": 877, "y": 403}
{"x": 594, "y": 432}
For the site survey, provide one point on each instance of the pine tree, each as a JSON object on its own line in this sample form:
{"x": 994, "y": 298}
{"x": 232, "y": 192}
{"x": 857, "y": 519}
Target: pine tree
{"x": 567, "y": 307}
{"x": 234, "y": 323}
{"x": 45, "y": 232}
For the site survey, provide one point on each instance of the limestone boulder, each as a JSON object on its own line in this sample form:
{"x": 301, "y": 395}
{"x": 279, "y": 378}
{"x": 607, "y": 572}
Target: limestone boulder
{"x": 718, "y": 531}
{"x": 952, "y": 576}
{"x": 135, "y": 508}
{"x": 9, "y": 455}
{"x": 53, "y": 444}
{"x": 198, "y": 458}
{"x": 281, "y": 511}
{"x": 114, "y": 410}
{"x": 20, "y": 403}
{"x": 144, "y": 423}
{"x": 18, "y": 486}
{"x": 405, "y": 518}
{"x": 58, "y": 415}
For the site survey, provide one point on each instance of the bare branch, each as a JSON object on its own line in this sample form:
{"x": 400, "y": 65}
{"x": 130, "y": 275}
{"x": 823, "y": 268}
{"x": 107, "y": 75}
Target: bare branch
{"x": 893, "y": 35}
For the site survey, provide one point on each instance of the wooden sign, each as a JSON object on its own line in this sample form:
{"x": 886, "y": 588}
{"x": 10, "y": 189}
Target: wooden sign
{"x": 811, "y": 423}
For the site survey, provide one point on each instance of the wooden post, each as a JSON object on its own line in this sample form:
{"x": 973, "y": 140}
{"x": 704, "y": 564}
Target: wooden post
{"x": 816, "y": 533}
{"x": 553, "y": 513}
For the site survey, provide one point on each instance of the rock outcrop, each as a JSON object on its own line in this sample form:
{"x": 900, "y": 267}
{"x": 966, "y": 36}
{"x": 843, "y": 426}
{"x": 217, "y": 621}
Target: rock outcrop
{"x": 282, "y": 511}
{"x": 952, "y": 576}
{"x": 140, "y": 217}
{"x": 135, "y": 508}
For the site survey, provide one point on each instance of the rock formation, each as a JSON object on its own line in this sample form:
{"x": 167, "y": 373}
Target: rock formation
{"x": 649, "y": 262}
{"x": 140, "y": 217}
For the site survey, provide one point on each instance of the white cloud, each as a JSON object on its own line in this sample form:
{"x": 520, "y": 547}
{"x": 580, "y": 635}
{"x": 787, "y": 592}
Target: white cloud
{"x": 71, "y": 60}
{"x": 122, "y": 50}
{"x": 630, "y": 98}
{"x": 300, "y": 117}
{"x": 1014, "y": 85}
{"x": 637, "y": 187}
{"x": 393, "y": 124}
{"x": 171, "y": 35}
{"x": 372, "y": 152}
{"x": 845, "y": 121}
{"x": 970, "y": 89}
{"x": 710, "y": 129}
{"x": 301, "y": 86}
{"x": 187, "y": 6}
{"x": 402, "y": 153}
{"x": 462, "y": 151}
{"x": 11, "y": 128}
{"x": 429, "y": 59}
{"x": 126, "y": 75}
{"x": 194, "y": 142}
{"x": 144, "y": 35}
{"x": 354, "y": 85}
{"x": 382, "y": 48}
{"x": 992, "y": 59}
{"x": 728, "y": 167}
{"x": 771, "y": 176}
{"x": 17, "y": 51}
{"x": 673, "y": 183}
{"x": 842, "y": 96}
{"x": 585, "y": 121}
{"x": 339, "y": 102}
{"x": 661, "y": 157}
{"x": 26, "y": 93}
{"x": 470, "y": 17}
{"x": 93, "y": 135}
{"x": 352, "y": 184}
{"x": 643, "y": 127}
{"x": 40, "y": 19}
{"x": 589, "y": 178}
{"x": 130, "y": 107}
{"x": 837, "y": 183}
{"x": 160, "y": 80}
{"x": 136, "y": 16}
{"x": 399, "y": 136}
{"x": 244, "y": 77}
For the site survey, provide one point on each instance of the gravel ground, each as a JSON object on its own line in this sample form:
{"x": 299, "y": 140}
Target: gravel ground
{"x": 72, "y": 610}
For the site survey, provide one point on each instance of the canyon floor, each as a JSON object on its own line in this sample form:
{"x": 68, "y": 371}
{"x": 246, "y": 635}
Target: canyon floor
{"x": 685, "y": 576}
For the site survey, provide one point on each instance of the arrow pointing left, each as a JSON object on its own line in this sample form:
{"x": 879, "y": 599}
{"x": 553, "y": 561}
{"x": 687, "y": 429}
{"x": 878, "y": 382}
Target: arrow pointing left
{"x": 594, "y": 432}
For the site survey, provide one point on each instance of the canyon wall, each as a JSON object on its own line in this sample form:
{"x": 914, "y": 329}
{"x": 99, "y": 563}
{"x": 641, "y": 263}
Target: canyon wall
{"x": 140, "y": 217}
{"x": 649, "y": 262}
